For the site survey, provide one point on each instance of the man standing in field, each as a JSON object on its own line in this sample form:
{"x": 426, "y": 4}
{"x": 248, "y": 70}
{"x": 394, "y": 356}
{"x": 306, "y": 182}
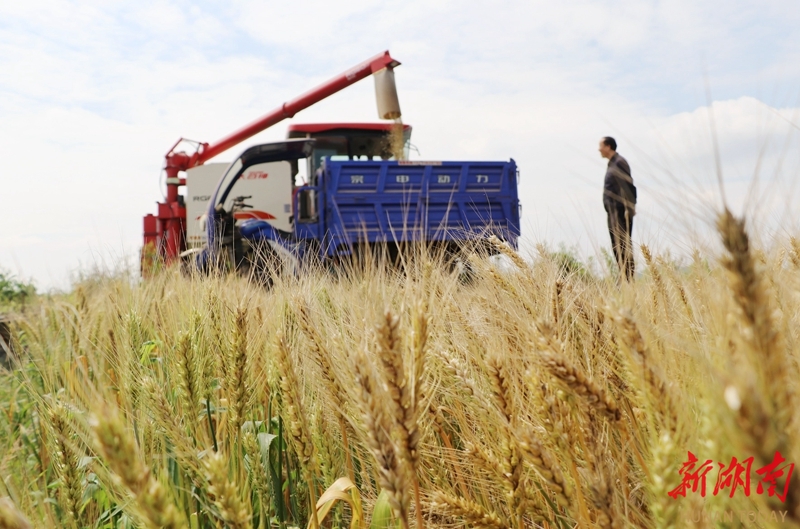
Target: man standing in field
{"x": 619, "y": 200}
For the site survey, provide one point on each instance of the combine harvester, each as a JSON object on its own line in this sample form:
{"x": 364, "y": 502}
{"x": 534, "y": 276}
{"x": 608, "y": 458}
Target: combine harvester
{"x": 251, "y": 216}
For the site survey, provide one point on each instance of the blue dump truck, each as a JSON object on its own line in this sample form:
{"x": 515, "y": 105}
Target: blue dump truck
{"x": 354, "y": 199}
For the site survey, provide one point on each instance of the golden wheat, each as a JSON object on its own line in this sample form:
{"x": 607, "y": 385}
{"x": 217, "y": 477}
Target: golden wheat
{"x": 529, "y": 397}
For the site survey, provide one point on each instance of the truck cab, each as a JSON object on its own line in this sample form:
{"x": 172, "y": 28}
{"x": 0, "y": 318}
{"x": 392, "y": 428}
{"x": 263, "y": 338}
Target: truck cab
{"x": 351, "y": 141}
{"x": 344, "y": 141}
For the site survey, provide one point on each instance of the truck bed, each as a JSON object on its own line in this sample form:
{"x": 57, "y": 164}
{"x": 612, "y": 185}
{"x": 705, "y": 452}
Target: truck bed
{"x": 390, "y": 201}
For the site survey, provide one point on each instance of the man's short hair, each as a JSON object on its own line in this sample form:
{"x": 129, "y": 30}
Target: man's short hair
{"x": 610, "y": 142}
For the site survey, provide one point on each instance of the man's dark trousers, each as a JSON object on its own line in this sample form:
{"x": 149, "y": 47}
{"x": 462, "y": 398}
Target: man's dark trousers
{"x": 620, "y": 226}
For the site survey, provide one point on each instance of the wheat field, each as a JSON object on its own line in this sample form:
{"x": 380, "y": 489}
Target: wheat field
{"x": 537, "y": 396}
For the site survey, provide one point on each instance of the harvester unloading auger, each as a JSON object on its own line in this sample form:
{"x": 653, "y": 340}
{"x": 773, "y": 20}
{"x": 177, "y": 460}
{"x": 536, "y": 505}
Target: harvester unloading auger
{"x": 252, "y": 216}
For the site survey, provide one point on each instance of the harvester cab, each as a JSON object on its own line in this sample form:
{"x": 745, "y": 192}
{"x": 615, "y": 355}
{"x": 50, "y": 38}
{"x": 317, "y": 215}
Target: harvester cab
{"x": 257, "y": 188}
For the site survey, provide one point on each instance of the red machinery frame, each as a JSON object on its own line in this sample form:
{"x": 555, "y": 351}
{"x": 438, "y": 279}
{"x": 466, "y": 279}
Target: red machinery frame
{"x": 164, "y": 233}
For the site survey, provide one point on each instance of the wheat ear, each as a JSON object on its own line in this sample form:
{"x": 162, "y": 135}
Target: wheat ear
{"x": 545, "y": 465}
{"x": 187, "y": 379}
{"x": 767, "y": 423}
{"x": 163, "y": 415}
{"x": 512, "y": 457}
{"x": 556, "y": 304}
{"x": 329, "y": 378}
{"x": 658, "y": 280}
{"x": 794, "y": 253}
{"x": 681, "y": 290}
{"x": 237, "y": 382}
{"x": 299, "y": 432}
{"x": 755, "y": 311}
{"x": 578, "y": 382}
{"x": 419, "y": 344}
{"x": 405, "y": 391}
{"x": 226, "y": 496}
{"x": 472, "y": 513}
{"x": 509, "y": 252}
{"x": 67, "y": 465}
{"x": 659, "y": 389}
{"x": 257, "y": 471}
{"x": 391, "y": 473}
{"x": 118, "y": 448}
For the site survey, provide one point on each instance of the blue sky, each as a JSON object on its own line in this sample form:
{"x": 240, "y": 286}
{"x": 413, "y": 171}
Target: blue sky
{"x": 92, "y": 94}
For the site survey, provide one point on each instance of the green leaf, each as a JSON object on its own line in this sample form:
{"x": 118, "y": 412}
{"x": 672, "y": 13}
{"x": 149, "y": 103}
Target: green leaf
{"x": 251, "y": 426}
{"x": 147, "y": 349}
{"x": 264, "y": 441}
{"x": 382, "y": 513}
